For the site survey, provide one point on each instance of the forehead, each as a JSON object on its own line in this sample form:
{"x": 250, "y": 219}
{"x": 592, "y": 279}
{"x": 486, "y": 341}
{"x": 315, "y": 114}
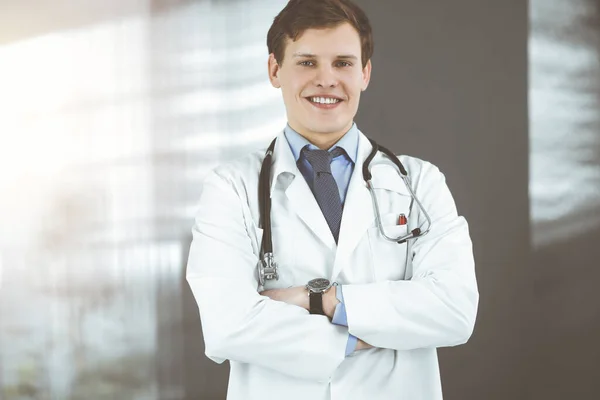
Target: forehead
{"x": 343, "y": 39}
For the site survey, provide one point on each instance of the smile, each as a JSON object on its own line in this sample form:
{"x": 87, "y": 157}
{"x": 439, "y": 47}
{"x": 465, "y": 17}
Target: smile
{"x": 325, "y": 103}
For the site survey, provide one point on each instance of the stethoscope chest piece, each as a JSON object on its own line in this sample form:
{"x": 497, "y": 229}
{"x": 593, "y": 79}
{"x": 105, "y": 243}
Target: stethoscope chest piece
{"x": 267, "y": 269}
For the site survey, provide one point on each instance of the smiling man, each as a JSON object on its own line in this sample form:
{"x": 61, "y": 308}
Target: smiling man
{"x": 315, "y": 276}
{"x": 321, "y": 77}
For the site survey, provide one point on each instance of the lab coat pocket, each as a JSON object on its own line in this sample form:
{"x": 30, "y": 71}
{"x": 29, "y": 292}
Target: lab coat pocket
{"x": 388, "y": 258}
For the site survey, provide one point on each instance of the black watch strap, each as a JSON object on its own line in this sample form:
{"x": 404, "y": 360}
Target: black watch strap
{"x": 316, "y": 303}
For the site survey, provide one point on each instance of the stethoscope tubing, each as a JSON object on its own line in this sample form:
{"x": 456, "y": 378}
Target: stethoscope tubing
{"x": 266, "y": 261}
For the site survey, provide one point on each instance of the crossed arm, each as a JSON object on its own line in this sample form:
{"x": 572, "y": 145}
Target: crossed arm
{"x": 274, "y": 330}
{"x": 298, "y": 296}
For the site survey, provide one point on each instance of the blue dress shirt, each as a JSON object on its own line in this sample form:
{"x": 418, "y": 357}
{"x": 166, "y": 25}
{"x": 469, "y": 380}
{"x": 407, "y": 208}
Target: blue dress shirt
{"x": 341, "y": 169}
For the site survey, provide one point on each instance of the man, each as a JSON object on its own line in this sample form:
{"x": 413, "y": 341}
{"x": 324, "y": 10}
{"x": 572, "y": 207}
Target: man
{"x": 374, "y": 333}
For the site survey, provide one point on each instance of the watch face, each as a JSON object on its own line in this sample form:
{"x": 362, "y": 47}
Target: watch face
{"x": 318, "y": 284}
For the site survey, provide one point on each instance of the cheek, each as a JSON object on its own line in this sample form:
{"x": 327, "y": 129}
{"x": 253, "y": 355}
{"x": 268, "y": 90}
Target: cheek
{"x": 289, "y": 92}
{"x": 353, "y": 86}
{"x": 354, "y": 94}
{"x": 293, "y": 97}
{"x": 289, "y": 88}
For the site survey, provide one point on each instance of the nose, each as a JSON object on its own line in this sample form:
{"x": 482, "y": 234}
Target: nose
{"x": 326, "y": 77}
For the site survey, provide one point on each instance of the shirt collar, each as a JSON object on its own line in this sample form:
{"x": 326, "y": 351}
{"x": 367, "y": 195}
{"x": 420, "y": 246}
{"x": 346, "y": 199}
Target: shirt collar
{"x": 348, "y": 142}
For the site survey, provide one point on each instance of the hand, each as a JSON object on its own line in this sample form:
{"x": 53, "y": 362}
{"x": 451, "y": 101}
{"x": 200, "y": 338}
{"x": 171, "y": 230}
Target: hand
{"x": 297, "y": 296}
{"x": 330, "y": 301}
{"x": 360, "y": 345}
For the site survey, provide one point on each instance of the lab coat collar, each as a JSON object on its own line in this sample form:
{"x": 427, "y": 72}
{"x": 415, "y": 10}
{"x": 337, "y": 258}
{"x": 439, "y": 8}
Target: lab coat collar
{"x": 286, "y": 177}
{"x": 358, "y": 214}
{"x": 283, "y": 163}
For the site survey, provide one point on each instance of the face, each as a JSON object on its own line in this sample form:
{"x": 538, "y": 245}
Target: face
{"x": 321, "y": 79}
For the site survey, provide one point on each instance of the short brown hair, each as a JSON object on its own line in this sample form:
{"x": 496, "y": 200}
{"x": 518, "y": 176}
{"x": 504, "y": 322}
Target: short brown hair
{"x": 300, "y": 15}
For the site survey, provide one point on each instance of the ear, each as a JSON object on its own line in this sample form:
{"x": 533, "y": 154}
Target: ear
{"x": 274, "y": 71}
{"x": 366, "y": 75}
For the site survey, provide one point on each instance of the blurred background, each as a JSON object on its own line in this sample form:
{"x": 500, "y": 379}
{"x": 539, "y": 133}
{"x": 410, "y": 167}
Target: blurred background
{"x": 112, "y": 112}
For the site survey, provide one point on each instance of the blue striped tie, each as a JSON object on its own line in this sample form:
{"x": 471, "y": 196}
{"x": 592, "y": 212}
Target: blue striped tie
{"x": 325, "y": 188}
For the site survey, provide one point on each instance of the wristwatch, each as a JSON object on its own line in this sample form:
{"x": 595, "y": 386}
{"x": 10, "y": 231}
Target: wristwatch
{"x": 316, "y": 288}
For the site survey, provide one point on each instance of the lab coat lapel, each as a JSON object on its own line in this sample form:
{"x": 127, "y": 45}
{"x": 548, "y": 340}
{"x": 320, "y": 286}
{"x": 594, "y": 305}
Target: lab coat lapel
{"x": 358, "y": 213}
{"x": 300, "y": 198}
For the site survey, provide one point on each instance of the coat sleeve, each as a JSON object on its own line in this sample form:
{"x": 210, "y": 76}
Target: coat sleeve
{"x": 438, "y": 305}
{"x": 238, "y": 323}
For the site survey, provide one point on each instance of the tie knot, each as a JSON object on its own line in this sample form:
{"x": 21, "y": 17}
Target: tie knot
{"x": 320, "y": 160}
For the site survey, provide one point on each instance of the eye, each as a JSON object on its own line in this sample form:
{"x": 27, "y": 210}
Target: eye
{"x": 344, "y": 64}
{"x": 306, "y": 63}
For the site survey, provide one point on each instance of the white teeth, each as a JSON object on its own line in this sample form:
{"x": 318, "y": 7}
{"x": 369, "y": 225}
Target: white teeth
{"x": 324, "y": 100}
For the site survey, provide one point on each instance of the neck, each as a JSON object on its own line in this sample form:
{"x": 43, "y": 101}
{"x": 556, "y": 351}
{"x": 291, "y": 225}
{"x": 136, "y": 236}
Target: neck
{"x": 323, "y": 141}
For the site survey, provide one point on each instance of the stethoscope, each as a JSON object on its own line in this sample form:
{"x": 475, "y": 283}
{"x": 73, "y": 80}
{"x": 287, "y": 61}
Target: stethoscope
{"x": 267, "y": 267}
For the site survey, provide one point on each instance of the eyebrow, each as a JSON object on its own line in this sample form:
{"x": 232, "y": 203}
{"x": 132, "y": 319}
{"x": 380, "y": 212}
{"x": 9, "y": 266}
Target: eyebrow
{"x": 308, "y": 55}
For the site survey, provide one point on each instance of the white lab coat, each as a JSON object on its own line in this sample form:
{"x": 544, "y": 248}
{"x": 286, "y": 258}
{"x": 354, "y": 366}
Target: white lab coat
{"x": 406, "y": 300}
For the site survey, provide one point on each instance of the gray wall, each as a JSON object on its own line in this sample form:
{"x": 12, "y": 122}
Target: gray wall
{"x": 450, "y": 86}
